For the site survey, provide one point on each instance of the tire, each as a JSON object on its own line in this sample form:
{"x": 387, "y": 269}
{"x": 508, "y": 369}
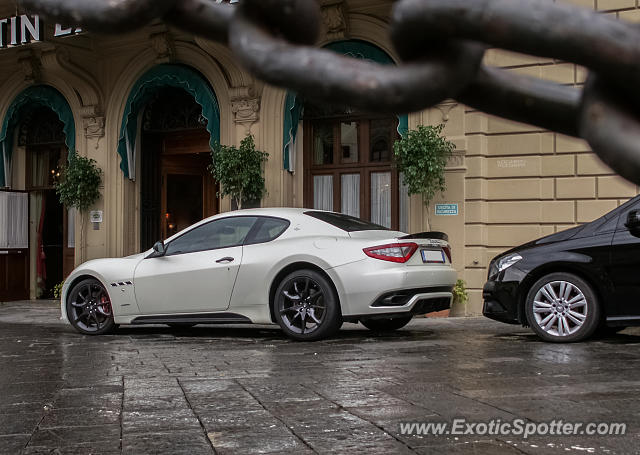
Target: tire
{"x": 562, "y": 308}
{"x": 306, "y": 306}
{"x": 386, "y": 325}
{"x": 89, "y": 308}
{"x": 181, "y": 325}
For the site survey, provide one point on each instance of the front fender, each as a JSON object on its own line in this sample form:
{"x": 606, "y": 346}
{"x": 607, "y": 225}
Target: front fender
{"x": 116, "y": 275}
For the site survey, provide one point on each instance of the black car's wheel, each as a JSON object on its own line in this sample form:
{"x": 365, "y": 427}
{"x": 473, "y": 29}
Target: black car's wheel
{"x": 388, "y": 324}
{"x": 89, "y": 308}
{"x": 306, "y": 306}
{"x": 563, "y": 308}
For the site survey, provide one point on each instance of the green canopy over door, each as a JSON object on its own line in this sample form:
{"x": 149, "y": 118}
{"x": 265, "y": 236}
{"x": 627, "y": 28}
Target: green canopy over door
{"x": 293, "y": 105}
{"x": 164, "y": 75}
{"x": 28, "y": 100}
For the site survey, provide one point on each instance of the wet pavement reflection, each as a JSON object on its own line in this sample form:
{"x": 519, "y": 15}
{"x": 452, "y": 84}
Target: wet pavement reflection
{"x": 248, "y": 389}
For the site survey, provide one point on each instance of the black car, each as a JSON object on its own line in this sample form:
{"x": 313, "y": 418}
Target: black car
{"x": 567, "y": 285}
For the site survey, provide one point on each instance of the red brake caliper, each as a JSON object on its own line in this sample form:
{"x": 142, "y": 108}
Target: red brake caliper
{"x": 105, "y": 306}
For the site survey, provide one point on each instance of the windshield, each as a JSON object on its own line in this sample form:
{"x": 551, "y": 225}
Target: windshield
{"x": 346, "y": 222}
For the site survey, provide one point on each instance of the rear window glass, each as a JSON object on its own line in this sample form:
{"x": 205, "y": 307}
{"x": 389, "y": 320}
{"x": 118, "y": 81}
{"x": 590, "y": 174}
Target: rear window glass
{"x": 268, "y": 230}
{"x": 346, "y": 222}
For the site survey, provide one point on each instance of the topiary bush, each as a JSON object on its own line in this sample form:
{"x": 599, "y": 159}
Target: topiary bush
{"x": 239, "y": 170}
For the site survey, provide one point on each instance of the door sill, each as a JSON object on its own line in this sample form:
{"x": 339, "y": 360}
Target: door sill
{"x": 201, "y": 318}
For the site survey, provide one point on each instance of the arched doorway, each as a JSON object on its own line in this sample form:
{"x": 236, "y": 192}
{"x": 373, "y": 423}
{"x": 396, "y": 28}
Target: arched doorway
{"x": 36, "y": 232}
{"x": 51, "y": 225}
{"x": 176, "y": 187}
{"x": 170, "y": 122}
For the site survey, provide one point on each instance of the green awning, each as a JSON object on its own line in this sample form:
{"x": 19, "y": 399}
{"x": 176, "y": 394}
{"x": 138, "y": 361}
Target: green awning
{"x": 293, "y": 105}
{"x": 28, "y": 100}
{"x": 164, "y": 75}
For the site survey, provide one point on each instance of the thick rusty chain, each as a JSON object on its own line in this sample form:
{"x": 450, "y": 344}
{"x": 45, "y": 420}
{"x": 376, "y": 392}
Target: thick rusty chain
{"x": 441, "y": 43}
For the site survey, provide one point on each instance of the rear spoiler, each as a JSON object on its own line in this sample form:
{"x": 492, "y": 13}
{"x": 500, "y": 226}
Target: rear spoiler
{"x": 427, "y": 235}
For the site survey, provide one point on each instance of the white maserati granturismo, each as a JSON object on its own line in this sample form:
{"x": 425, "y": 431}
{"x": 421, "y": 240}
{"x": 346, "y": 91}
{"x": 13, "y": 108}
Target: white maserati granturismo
{"x": 306, "y": 270}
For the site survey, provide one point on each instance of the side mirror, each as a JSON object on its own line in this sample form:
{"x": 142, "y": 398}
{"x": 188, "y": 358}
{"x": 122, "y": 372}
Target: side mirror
{"x": 633, "y": 220}
{"x": 158, "y": 249}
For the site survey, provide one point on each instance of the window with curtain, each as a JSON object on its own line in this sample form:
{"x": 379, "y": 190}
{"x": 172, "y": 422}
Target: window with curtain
{"x": 14, "y": 220}
{"x": 349, "y": 165}
{"x": 323, "y": 192}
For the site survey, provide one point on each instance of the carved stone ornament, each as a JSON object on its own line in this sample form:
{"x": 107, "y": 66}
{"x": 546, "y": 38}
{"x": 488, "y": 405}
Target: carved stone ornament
{"x": 445, "y": 108}
{"x": 162, "y": 43}
{"x": 335, "y": 19}
{"x": 29, "y": 64}
{"x": 246, "y": 110}
{"x": 93, "y": 127}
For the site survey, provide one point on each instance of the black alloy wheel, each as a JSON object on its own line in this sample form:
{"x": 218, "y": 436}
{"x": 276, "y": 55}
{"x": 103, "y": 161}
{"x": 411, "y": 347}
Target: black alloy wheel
{"x": 89, "y": 308}
{"x": 306, "y": 306}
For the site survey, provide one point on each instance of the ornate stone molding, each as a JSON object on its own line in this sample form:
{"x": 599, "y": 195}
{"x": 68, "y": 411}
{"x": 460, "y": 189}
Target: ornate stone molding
{"x": 245, "y": 106}
{"x": 92, "y": 123}
{"x": 29, "y": 64}
{"x": 162, "y": 43}
{"x": 56, "y": 60}
{"x": 335, "y": 19}
{"x": 445, "y": 108}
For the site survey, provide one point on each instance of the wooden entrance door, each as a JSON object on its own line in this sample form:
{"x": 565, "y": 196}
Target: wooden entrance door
{"x": 177, "y": 188}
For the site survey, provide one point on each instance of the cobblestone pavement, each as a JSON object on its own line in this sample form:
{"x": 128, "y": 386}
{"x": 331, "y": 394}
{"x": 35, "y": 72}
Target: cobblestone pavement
{"x": 248, "y": 389}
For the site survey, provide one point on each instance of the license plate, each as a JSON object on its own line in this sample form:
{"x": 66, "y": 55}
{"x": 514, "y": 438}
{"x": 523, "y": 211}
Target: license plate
{"x": 432, "y": 256}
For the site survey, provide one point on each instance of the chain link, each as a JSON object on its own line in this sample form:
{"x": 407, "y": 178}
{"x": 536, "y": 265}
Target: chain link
{"x": 441, "y": 43}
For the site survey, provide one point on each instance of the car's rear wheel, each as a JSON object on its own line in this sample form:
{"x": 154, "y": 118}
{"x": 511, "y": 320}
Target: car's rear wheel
{"x": 387, "y": 324}
{"x": 562, "y": 307}
{"x": 306, "y": 306}
{"x": 89, "y": 308}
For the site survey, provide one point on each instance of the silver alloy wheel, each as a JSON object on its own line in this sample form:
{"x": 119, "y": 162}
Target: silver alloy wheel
{"x": 91, "y": 307}
{"x": 302, "y": 307}
{"x": 560, "y": 308}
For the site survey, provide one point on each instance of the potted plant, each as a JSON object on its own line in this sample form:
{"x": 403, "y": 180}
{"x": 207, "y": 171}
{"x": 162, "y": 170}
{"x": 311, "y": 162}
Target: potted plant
{"x": 79, "y": 186}
{"x": 421, "y": 157}
{"x": 239, "y": 171}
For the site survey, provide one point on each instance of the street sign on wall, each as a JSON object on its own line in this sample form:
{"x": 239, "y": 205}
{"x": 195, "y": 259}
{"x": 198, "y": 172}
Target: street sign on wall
{"x": 446, "y": 209}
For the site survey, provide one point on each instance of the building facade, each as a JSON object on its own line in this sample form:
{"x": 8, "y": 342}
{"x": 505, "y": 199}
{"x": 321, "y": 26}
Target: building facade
{"x": 148, "y": 105}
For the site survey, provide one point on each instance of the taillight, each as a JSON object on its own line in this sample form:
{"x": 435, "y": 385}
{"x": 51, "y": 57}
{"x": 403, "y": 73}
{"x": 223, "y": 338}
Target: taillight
{"x": 447, "y": 251}
{"x": 393, "y": 252}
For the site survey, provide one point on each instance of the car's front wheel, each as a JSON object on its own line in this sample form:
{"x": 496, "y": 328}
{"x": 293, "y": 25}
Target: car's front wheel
{"x": 387, "y": 324}
{"x": 89, "y": 308}
{"x": 306, "y": 306}
{"x": 562, "y": 307}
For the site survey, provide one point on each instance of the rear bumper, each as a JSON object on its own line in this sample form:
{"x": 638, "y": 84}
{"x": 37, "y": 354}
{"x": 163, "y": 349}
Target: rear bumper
{"x": 373, "y": 288}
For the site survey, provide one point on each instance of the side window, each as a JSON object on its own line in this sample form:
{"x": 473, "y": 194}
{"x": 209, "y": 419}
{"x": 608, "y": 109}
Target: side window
{"x": 268, "y": 229}
{"x": 222, "y": 233}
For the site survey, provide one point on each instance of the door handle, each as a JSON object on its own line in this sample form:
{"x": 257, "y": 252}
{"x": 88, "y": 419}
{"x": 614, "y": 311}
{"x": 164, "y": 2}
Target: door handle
{"x": 225, "y": 259}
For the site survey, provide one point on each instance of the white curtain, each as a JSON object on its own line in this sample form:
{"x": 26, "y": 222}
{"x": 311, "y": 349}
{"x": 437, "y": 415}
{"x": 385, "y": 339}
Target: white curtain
{"x": 381, "y": 198}
{"x": 404, "y": 205}
{"x": 350, "y": 198}
{"x": 349, "y": 142}
{"x": 40, "y": 169}
{"x": 71, "y": 231}
{"x": 323, "y": 192}
{"x": 14, "y": 220}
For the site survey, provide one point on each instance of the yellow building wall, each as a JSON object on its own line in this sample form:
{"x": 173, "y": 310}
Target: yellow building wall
{"x": 512, "y": 182}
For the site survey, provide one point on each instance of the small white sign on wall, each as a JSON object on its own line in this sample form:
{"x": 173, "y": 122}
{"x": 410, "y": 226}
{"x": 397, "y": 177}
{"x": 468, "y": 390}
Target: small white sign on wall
{"x": 95, "y": 216}
{"x": 446, "y": 209}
